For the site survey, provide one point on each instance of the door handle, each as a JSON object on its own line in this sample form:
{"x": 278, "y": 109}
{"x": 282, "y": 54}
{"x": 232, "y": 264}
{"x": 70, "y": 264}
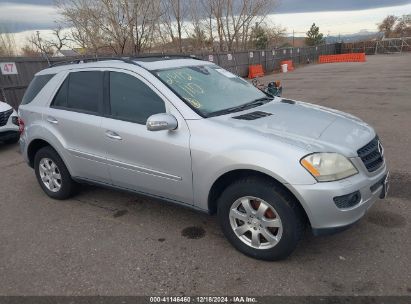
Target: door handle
{"x": 52, "y": 120}
{"x": 113, "y": 135}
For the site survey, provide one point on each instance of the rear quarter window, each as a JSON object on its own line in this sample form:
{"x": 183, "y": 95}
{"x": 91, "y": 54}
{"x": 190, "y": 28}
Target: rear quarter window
{"x": 36, "y": 85}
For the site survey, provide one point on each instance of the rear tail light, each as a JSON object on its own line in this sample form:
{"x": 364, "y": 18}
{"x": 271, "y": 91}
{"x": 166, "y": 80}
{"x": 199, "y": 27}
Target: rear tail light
{"x": 21, "y": 126}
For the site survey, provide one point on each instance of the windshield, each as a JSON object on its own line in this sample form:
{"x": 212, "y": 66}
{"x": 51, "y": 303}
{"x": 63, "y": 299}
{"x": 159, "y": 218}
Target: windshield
{"x": 210, "y": 89}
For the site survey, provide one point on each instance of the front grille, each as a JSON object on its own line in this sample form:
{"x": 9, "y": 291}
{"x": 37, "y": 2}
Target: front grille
{"x": 348, "y": 200}
{"x": 371, "y": 155}
{"x": 253, "y": 115}
{"x": 4, "y": 117}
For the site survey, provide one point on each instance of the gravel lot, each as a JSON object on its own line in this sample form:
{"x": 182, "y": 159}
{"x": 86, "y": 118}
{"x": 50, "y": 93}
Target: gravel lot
{"x": 104, "y": 242}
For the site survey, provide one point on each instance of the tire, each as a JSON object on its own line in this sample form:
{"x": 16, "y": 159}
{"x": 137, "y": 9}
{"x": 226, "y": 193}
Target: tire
{"x": 67, "y": 188}
{"x": 283, "y": 212}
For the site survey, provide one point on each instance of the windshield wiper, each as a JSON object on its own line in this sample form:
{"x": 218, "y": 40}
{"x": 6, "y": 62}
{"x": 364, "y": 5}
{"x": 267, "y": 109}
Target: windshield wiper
{"x": 254, "y": 103}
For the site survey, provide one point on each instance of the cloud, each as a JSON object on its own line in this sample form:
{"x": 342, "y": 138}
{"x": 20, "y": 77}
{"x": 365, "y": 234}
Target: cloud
{"x": 23, "y": 15}
{"x": 33, "y": 2}
{"x": 19, "y": 17}
{"x": 304, "y": 6}
{"x": 337, "y": 22}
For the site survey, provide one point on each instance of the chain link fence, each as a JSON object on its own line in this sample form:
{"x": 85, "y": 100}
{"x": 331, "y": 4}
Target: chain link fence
{"x": 238, "y": 62}
{"x": 384, "y": 46}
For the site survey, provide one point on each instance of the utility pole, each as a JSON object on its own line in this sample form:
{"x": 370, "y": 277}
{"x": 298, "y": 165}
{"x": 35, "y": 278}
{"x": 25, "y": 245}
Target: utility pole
{"x": 293, "y": 37}
{"x": 40, "y": 47}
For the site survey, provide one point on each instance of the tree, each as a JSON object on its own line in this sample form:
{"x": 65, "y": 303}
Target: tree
{"x": 403, "y": 28}
{"x": 234, "y": 20}
{"x": 265, "y": 36}
{"x": 79, "y": 16}
{"x": 60, "y": 39}
{"x": 201, "y": 31}
{"x": 314, "y": 37}
{"x": 134, "y": 26}
{"x": 7, "y": 44}
{"x": 173, "y": 16}
{"x": 277, "y": 36}
{"x": 28, "y": 50}
{"x": 393, "y": 26}
{"x": 119, "y": 27}
{"x": 199, "y": 37}
{"x": 387, "y": 25}
{"x": 48, "y": 47}
{"x": 260, "y": 36}
{"x": 40, "y": 45}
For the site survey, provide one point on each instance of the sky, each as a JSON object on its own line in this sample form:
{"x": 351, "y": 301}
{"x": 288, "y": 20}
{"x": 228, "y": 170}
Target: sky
{"x": 332, "y": 16}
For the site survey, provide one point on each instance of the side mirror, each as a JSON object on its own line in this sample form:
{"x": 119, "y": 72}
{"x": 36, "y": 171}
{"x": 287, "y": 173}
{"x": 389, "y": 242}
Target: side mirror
{"x": 163, "y": 121}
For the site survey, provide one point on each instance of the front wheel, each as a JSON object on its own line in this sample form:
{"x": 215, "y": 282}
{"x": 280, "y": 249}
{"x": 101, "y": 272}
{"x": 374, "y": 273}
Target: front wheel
{"x": 260, "y": 219}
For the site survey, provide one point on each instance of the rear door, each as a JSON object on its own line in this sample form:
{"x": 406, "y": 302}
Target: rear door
{"x": 156, "y": 163}
{"x": 75, "y": 118}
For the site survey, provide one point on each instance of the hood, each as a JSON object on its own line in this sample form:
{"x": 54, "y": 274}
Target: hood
{"x": 311, "y": 127}
{"x": 4, "y": 106}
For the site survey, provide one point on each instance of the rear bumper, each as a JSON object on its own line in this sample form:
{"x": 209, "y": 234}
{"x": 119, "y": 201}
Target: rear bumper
{"x": 324, "y": 215}
{"x": 23, "y": 148}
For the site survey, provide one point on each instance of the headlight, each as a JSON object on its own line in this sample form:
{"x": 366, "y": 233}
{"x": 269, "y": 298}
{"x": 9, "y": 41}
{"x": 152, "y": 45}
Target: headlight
{"x": 326, "y": 167}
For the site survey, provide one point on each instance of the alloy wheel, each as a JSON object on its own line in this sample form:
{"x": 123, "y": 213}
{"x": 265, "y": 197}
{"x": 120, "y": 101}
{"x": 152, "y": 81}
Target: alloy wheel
{"x": 50, "y": 174}
{"x": 255, "y": 222}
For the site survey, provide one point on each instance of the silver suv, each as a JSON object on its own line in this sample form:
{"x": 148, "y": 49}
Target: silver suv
{"x": 190, "y": 132}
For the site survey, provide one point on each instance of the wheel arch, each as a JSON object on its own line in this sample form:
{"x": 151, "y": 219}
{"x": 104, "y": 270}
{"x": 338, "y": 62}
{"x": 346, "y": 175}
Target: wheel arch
{"x": 229, "y": 177}
{"x": 35, "y": 145}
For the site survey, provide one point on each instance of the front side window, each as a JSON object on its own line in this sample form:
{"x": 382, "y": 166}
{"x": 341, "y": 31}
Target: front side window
{"x": 210, "y": 89}
{"x": 36, "y": 85}
{"x": 81, "y": 91}
{"x": 132, "y": 100}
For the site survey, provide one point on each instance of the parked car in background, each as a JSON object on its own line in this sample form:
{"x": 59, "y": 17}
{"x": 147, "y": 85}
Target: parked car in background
{"x": 9, "y": 125}
{"x": 192, "y": 133}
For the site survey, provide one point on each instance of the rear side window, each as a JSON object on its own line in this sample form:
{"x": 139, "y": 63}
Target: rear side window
{"x": 81, "y": 91}
{"x": 85, "y": 91}
{"x": 61, "y": 97}
{"x": 132, "y": 100}
{"x": 35, "y": 87}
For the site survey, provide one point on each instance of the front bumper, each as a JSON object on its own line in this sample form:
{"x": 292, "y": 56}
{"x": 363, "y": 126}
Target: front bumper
{"x": 9, "y": 134}
{"x": 9, "y": 131}
{"x": 324, "y": 215}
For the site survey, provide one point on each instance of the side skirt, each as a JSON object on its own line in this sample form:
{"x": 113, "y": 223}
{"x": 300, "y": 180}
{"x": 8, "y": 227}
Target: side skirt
{"x": 144, "y": 194}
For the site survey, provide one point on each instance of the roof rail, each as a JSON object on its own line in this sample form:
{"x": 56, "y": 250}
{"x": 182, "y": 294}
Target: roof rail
{"x": 129, "y": 60}
{"x": 166, "y": 56}
{"x": 93, "y": 59}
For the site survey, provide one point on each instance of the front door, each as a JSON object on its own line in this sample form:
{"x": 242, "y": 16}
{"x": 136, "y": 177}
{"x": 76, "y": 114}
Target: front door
{"x": 151, "y": 162}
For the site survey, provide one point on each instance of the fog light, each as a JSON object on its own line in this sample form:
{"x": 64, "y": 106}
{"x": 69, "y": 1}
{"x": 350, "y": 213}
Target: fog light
{"x": 348, "y": 200}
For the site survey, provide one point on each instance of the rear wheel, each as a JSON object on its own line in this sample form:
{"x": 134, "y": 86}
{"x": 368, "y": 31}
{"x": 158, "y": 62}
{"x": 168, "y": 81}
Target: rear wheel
{"x": 52, "y": 174}
{"x": 260, "y": 219}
